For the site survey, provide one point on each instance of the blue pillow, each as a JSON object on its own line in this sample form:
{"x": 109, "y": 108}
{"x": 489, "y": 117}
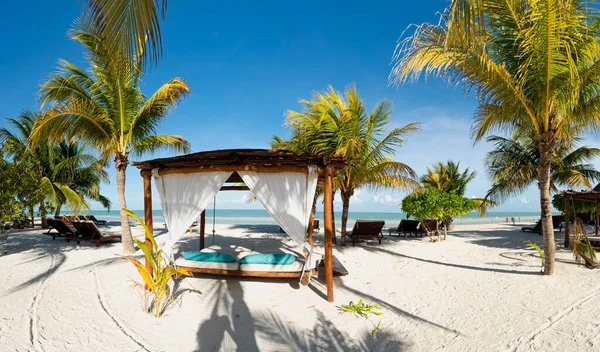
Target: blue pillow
{"x": 277, "y": 259}
{"x": 214, "y": 257}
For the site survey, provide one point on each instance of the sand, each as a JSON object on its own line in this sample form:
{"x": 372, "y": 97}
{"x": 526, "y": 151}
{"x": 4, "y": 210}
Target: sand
{"x": 480, "y": 290}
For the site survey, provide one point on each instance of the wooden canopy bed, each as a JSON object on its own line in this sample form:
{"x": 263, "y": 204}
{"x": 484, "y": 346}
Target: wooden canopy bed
{"x": 239, "y": 162}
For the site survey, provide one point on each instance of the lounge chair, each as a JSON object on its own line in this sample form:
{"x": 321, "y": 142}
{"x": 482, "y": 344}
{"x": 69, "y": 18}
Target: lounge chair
{"x": 67, "y": 219}
{"x": 61, "y": 229}
{"x": 430, "y": 225}
{"x": 536, "y": 229}
{"x": 367, "y": 229}
{"x": 408, "y": 227}
{"x": 557, "y": 221}
{"x": 89, "y": 232}
{"x": 96, "y": 221}
{"x": 556, "y": 224}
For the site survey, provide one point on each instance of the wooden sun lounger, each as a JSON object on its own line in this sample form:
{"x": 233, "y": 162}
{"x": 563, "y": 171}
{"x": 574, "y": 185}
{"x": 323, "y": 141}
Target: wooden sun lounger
{"x": 61, "y": 229}
{"x": 89, "y": 232}
{"x": 408, "y": 227}
{"x": 556, "y": 224}
{"x": 95, "y": 220}
{"x": 316, "y": 226}
{"x": 557, "y": 221}
{"x": 67, "y": 219}
{"x": 368, "y": 230}
{"x": 430, "y": 225}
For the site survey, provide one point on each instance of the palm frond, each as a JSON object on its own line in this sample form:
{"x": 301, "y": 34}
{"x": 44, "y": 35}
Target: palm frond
{"x": 130, "y": 26}
{"x": 155, "y": 142}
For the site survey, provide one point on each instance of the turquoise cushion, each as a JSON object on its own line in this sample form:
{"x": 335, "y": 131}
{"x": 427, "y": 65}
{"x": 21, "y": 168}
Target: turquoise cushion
{"x": 215, "y": 257}
{"x": 277, "y": 259}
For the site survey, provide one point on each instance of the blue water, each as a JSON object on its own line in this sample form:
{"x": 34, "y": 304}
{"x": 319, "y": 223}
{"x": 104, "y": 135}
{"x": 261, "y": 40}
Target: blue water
{"x": 260, "y": 216}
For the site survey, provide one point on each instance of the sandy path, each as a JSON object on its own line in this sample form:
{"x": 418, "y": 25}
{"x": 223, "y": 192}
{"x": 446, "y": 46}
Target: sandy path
{"x": 480, "y": 290}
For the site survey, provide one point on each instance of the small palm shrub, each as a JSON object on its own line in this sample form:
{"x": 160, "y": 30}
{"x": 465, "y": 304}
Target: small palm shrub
{"x": 538, "y": 249}
{"x": 364, "y": 310}
{"x": 156, "y": 287}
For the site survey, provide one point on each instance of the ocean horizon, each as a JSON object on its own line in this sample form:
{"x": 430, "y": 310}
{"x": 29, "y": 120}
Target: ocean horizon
{"x": 261, "y": 216}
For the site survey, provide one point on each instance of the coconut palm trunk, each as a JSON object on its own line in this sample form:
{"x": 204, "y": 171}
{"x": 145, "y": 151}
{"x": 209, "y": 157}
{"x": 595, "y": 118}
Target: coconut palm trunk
{"x": 43, "y": 215}
{"x": 546, "y": 147}
{"x": 121, "y": 163}
{"x": 345, "y": 207}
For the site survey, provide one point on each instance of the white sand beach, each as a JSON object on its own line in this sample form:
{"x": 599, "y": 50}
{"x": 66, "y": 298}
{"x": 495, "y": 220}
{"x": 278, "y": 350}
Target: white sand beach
{"x": 481, "y": 289}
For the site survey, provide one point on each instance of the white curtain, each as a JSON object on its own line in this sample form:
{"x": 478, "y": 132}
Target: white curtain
{"x": 183, "y": 197}
{"x": 288, "y": 197}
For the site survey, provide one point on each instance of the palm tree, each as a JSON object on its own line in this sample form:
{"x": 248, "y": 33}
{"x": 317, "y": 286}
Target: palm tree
{"x": 74, "y": 177}
{"x": 335, "y": 123}
{"x": 65, "y": 175}
{"x": 106, "y": 108}
{"x": 513, "y": 166}
{"x": 129, "y": 26}
{"x": 533, "y": 64}
{"x": 448, "y": 178}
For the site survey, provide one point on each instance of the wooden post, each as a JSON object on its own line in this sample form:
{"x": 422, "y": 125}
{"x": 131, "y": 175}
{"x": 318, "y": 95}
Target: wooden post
{"x": 202, "y": 228}
{"x": 147, "y": 175}
{"x": 597, "y": 218}
{"x": 311, "y": 222}
{"x": 327, "y": 218}
{"x": 567, "y": 220}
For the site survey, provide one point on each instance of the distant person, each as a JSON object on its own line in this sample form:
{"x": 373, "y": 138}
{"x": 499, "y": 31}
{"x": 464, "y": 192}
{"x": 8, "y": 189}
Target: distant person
{"x": 513, "y": 220}
{"x": 507, "y": 219}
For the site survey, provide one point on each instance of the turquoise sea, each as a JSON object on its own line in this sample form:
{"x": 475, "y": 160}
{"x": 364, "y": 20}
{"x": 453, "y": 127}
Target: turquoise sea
{"x": 260, "y": 216}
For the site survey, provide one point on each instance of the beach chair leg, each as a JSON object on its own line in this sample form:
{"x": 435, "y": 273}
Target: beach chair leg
{"x": 305, "y": 280}
{"x": 97, "y": 243}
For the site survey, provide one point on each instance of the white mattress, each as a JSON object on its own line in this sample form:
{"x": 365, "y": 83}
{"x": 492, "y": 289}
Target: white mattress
{"x": 206, "y": 265}
{"x": 289, "y": 268}
{"x": 238, "y": 252}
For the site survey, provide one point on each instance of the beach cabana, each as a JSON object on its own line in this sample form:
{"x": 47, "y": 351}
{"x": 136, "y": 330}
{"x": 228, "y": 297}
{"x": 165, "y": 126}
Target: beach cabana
{"x": 586, "y": 196}
{"x": 283, "y": 181}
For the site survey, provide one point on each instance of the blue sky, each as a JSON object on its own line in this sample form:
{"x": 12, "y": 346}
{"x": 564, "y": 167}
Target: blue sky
{"x": 249, "y": 62}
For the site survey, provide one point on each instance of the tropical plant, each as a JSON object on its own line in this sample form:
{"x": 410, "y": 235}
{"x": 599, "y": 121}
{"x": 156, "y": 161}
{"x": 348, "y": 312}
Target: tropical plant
{"x": 106, "y": 108}
{"x": 14, "y": 184}
{"x": 129, "y": 26}
{"x": 336, "y": 123}
{"x": 157, "y": 283}
{"x": 579, "y": 208}
{"x": 581, "y": 245}
{"x": 538, "y": 249}
{"x": 448, "y": 178}
{"x": 513, "y": 166}
{"x": 60, "y": 173}
{"x": 533, "y": 64}
{"x": 73, "y": 177}
{"x": 364, "y": 310}
{"x": 431, "y": 203}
